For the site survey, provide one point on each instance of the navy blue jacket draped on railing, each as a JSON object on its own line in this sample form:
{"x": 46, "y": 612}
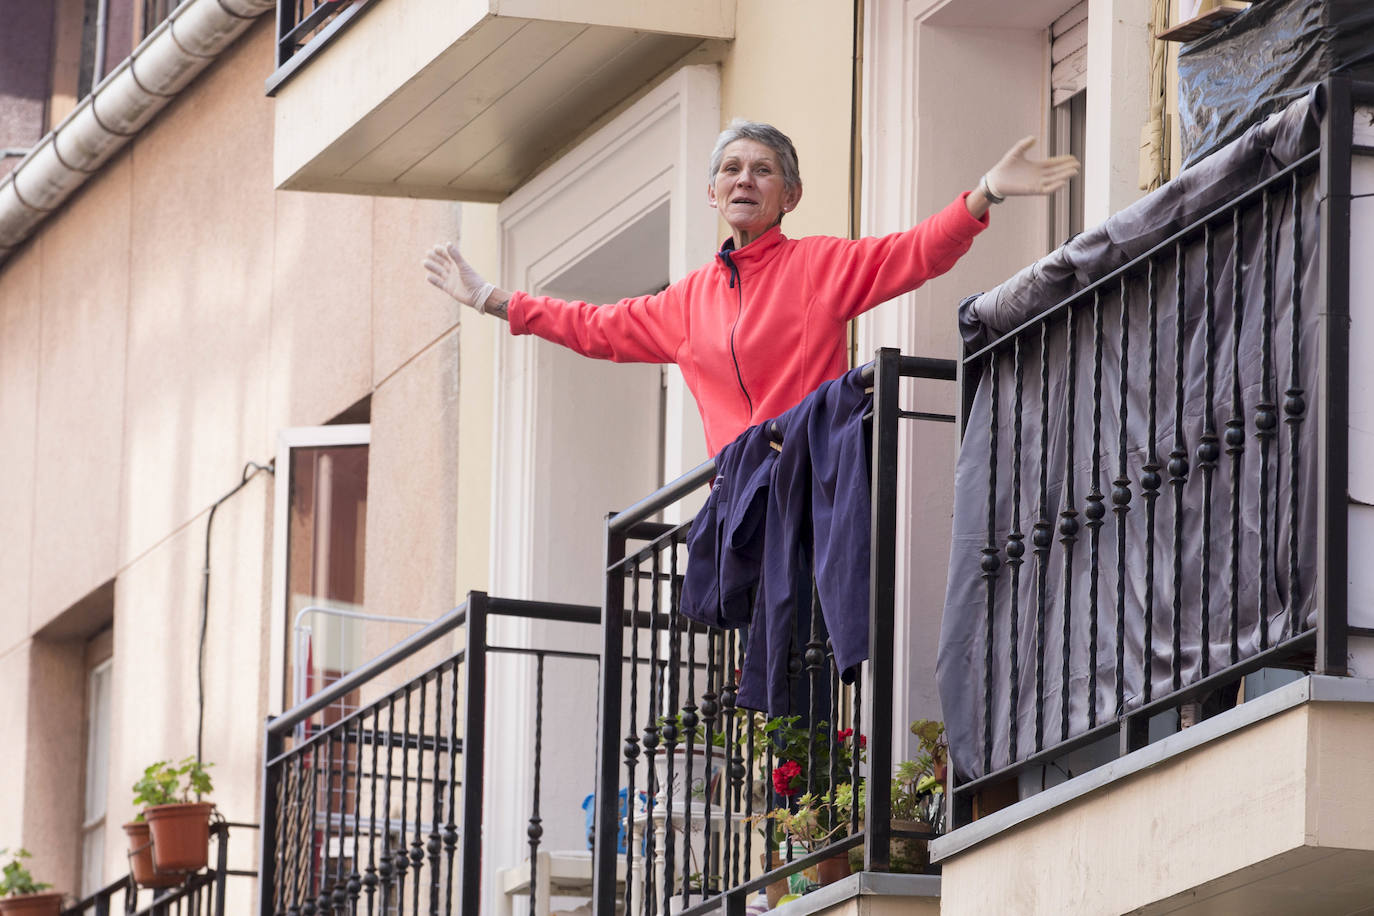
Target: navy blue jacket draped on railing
{"x": 773, "y": 515}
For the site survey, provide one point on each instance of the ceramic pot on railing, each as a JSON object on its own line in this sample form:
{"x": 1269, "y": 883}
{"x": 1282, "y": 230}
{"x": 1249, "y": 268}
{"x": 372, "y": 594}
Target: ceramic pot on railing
{"x": 45, "y": 904}
{"x": 181, "y": 835}
{"x": 141, "y": 867}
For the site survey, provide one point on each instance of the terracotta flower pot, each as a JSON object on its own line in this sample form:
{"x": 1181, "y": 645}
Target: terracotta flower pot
{"x": 145, "y": 874}
{"x": 830, "y": 870}
{"x": 45, "y": 904}
{"x": 181, "y": 835}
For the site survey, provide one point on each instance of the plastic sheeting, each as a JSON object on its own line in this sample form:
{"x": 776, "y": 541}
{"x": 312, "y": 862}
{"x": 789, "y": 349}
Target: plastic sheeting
{"x": 981, "y": 743}
{"x": 1262, "y": 60}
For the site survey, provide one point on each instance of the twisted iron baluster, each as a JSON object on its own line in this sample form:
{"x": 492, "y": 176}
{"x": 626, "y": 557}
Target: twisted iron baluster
{"x": 689, "y": 726}
{"x": 535, "y": 831}
{"x": 733, "y": 763}
{"x": 671, "y": 733}
{"x": 1235, "y": 428}
{"x": 710, "y": 708}
{"x": 1178, "y": 463}
{"x": 1265, "y": 417}
{"x": 990, "y": 562}
{"x": 436, "y": 843}
{"x": 1294, "y": 408}
{"x": 387, "y": 869}
{"x": 355, "y": 882}
{"x": 417, "y": 846}
{"x": 1068, "y": 523}
{"x": 1208, "y": 450}
{"x": 1016, "y": 547}
{"x": 631, "y": 737}
{"x": 401, "y": 861}
{"x": 451, "y": 826}
{"x": 1042, "y": 538}
{"x": 1150, "y": 483}
{"x": 650, "y": 744}
{"x": 1121, "y": 503}
{"x": 310, "y": 908}
{"x": 338, "y": 895}
{"x": 286, "y": 838}
{"x": 370, "y": 876}
{"x": 1096, "y": 510}
{"x": 326, "y": 896}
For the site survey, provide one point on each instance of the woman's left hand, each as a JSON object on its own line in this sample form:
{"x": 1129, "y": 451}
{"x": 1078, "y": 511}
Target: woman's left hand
{"x": 1015, "y": 175}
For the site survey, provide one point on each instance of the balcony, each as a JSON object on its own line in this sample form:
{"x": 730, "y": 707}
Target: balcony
{"x": 1153, "y": 676}
{"x": 386, "y": 807}
{"x": 460, "y": 101}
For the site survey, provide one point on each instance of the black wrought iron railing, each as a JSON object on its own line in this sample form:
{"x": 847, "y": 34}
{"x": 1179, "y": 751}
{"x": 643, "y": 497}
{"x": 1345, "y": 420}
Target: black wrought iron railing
{"x": 691, "y": 788}
{"x": 382, "y": 811}
{"x": 203, "y": 893}
{"x": 306, "y": 27}
{"x": 1164, "y": 459}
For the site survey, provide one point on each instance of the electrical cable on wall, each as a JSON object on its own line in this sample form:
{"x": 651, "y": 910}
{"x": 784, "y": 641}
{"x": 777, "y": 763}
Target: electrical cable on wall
{"x": 250, "y": 470}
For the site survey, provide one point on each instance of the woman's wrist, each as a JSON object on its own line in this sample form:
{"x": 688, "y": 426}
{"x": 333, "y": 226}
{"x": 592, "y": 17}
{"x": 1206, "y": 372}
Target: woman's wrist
{"x": 977, "y": 202}
{"x": 498, "y": 304}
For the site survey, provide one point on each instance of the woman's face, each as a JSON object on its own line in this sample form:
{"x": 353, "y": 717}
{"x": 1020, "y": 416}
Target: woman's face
{"x": 748, "y": 190}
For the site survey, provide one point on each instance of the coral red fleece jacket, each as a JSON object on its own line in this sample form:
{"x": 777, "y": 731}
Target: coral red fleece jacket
{"x": 758, "y": 328}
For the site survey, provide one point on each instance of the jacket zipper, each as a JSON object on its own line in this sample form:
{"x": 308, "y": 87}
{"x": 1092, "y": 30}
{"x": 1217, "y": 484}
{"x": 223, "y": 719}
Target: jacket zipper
{"x": 737, "y": 284}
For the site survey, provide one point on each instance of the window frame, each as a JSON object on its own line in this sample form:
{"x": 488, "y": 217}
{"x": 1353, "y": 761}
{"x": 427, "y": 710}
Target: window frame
{"x": 288, "y": 440}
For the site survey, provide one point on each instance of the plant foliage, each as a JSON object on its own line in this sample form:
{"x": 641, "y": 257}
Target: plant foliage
{"x": 162, "y": 781}
{"x": 16, "y": 879}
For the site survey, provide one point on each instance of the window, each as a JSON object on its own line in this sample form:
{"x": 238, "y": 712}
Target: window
{"x": 321, "y": 544}
{"x": 99, "y": 666}
{"x": 1069, "y": 114}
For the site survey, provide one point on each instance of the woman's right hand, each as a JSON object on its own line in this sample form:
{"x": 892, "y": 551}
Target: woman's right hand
{"x": 451, "y": 272}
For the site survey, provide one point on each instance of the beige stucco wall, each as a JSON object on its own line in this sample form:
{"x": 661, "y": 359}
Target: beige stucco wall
{"x": 791, "y": 65}
{"x": 154, "y": 336}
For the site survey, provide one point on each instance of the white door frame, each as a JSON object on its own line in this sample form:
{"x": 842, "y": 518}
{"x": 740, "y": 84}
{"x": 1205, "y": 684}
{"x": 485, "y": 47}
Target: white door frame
{"x": 653, "y": 152}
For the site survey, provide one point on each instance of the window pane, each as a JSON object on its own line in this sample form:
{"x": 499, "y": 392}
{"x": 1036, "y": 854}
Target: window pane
{"x": 97, "y": 777}
{"x": 97, "y": 741}
{"x": 325, "y": 564}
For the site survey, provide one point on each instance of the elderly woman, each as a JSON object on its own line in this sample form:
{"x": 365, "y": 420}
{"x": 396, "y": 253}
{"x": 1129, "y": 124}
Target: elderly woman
{"x": 763, "y": 324}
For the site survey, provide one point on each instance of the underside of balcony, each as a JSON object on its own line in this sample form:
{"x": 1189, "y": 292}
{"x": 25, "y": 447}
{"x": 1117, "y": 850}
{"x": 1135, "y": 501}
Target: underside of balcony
{"x": 464, "y": 101}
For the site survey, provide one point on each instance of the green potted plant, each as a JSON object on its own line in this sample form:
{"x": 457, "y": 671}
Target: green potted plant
{"x": 917, "y": 800}
{"x": 20, "y": 895}
{"x": 806, "y": 811}
{"x": 179, "y": 828}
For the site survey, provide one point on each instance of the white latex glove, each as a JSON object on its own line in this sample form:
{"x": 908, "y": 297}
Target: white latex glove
{"x": 1014, "y": 175}
{"x": 451, "y": 272}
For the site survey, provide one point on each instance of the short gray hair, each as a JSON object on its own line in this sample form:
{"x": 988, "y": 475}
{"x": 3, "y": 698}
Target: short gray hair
{"x": 769, "y": 136}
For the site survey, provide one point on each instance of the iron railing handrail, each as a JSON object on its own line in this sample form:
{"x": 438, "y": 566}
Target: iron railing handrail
{"x": 1101, "y": 283}
{"x": 621, "y": 522}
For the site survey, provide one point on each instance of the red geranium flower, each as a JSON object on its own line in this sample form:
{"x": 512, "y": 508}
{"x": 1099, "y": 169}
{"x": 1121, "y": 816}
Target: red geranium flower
{"x": 783, "y": 776}
{"x": 844, "y": 734}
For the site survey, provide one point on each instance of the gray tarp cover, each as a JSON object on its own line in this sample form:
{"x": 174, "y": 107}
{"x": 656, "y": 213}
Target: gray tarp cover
{"x": 1264, "y": 59}
{"x": 1261, "y": 152}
